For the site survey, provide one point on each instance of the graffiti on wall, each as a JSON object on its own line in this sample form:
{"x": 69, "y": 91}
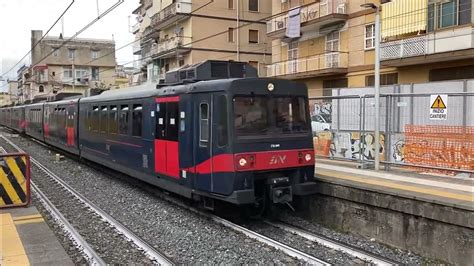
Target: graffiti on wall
{"x": 349, "y": 145}
{"x": 323, "y": 109}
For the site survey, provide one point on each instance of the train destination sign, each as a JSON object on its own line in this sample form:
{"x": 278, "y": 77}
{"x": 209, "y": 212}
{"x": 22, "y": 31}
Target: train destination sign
{"x": 439, "y": 107}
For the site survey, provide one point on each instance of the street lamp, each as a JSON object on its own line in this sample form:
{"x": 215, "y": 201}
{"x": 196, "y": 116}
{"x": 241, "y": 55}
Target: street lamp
{"x": 377, "y": 79}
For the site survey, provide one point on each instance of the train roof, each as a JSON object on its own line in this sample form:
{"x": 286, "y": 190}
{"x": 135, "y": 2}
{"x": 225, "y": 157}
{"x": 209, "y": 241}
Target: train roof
{"x": 151, "y": 90}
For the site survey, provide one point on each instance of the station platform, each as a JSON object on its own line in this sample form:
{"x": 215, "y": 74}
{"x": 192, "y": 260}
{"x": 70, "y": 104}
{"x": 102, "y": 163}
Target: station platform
{"x": 26, "y": 239}
{"x": 451, "y": 191}
{"x": 431, "y": 215}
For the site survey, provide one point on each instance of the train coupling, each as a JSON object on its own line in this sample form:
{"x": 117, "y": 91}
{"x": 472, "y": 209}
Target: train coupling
{"x": 280, "y": 189}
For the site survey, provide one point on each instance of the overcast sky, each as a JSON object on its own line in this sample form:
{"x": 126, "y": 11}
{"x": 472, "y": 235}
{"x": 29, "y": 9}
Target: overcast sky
{"x": 19, "y": 17}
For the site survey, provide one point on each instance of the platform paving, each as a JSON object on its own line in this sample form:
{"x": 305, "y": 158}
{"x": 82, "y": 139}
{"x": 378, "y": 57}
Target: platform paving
{"x": 27, "y": 240}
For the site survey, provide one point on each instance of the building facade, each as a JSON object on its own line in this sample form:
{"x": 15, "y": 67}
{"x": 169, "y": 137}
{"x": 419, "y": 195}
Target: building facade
{"x": 330, "y": 43}
{"x": 174, "y": 33}
{"x": 59, "y": 65}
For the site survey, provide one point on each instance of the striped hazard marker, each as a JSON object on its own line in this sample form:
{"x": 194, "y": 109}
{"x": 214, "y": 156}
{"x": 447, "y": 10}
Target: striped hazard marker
{"x": 14, "y": 180}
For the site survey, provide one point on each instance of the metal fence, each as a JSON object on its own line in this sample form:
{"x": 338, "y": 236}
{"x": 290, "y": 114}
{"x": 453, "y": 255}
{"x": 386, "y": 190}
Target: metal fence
{"x": 343, "y": 126}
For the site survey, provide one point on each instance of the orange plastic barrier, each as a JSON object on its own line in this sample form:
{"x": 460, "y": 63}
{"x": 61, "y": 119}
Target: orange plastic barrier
{"x": 449, "y": 147}
{"x": 321, "y": 146}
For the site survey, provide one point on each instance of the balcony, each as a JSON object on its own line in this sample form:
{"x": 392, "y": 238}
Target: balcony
{"x": 136, "y": 28}
{"x": 318, "y": 65}
{"x": 313, "y": 17}
{"x": 446, "y": 45}
{"x": 167, "y": 48}
{"x": 171, "y": 14}
{"x": 137, "y": 49}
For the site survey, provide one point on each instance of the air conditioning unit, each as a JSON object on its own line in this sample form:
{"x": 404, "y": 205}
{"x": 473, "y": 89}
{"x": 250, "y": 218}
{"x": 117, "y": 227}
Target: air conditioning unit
{"x": 284, "y": 1}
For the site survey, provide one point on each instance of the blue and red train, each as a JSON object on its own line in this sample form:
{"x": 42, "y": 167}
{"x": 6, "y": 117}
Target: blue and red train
{"x": 212, "y": 133}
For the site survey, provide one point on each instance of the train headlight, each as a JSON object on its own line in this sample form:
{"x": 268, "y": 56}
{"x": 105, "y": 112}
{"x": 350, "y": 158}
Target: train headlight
{"x": 308, "y": 157}
{"x": 242, "y": 162}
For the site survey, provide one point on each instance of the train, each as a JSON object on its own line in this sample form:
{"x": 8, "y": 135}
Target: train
{"x": 212, "y": 132}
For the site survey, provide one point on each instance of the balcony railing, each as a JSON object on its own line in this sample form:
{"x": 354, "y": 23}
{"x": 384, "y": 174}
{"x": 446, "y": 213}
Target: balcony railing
{"x": 180, "y": 7}
{"x": 318, "y": 63}
{"x": 136, "y": 48}
{"x": 166, "y": 45}
{"x": 458, "y": 39}
{"x": 404, "y": 48}
{"x": 309, "y": 13}
{"x": 136, "y": 27}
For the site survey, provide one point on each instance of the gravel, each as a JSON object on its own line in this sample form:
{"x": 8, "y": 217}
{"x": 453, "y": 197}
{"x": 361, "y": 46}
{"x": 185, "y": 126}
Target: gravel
{"x": 181, "y": 235}
{"x": 404, "y": 257}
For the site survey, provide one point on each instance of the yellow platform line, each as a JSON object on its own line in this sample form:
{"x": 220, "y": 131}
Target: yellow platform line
{"x": 11, "y": 249}
{"x": 434, "y": 192}
{"x": 28, "y": 219}
{"x": 8, "y": 187}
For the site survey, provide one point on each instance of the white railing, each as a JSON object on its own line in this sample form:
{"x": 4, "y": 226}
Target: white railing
{"x": 404, "y": 48}
{"x": 181, "y": 7}
{"x": 309, "y": 13}
{"x": 167, "y": 45}
{"x": 311, "y": 63}
{"x": 136, "y": 27}
{"x": 136, "y": 48}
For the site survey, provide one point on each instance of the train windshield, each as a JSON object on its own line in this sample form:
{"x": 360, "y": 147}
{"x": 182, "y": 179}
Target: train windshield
{"x": 261, "y": 115}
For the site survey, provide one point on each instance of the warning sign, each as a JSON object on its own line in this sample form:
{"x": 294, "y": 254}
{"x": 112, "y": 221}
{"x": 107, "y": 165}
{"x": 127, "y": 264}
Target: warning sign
{"x": 439, "y": 107}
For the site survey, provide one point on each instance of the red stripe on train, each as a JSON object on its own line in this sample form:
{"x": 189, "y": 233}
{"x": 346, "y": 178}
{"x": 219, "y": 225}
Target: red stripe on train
{"x": 167, "y": 99}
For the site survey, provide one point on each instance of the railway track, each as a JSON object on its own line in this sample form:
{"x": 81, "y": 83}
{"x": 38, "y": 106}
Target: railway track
{"x": 308, "y": 258}
{"x": 333, "y": 244}
{"x": 150, "y": 251}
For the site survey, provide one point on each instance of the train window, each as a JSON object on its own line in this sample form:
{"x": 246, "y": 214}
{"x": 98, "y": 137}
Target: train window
{"x": 137, "y": 120}
{"x": 290, "y": 114}
{"x": 172, "y": 119}
{"x": 103, "y": 119}
{"x": 95, "y": 118}
{"x": 203, "y": 124}
{"x": 222, "y": 125}
{"x": 88, "y": 119}
{"x": 113, "y": 119}
{"x": 123, "y": 123}
{"x": 251, "y": 115}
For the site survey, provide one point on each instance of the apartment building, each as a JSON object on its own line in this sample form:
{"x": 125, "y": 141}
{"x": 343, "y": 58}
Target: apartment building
{"x": 60, "y": 65}
{"x": 176, "y": 33}
{"x": 330, "y": 43}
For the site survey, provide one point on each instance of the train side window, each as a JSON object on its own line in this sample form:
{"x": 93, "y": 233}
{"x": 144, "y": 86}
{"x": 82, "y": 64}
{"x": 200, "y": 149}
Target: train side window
{"x": 103, "y": 119}
{"x": 137, "y": 120}
{"x": 95, "y": 118}
{"x": 123, "y": 123}
{"x": 113, "y": 119}
{"x": 172, "y": 121}
{"x": 203, "y": 124}
{"x": 222, "y": 124}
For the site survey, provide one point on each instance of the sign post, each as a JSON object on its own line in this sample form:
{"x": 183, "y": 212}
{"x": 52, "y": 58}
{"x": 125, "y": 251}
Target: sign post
{"x": 439, "y": 107}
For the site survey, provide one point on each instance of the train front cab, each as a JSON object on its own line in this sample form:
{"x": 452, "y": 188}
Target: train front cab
{"x": 236, "y": 146}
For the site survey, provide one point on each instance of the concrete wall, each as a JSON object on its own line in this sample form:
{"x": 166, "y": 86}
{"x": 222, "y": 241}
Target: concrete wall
{"x": 426, "y": 228}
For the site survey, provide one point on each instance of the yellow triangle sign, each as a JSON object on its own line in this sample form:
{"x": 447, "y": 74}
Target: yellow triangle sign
{"x": 438, "y": 103}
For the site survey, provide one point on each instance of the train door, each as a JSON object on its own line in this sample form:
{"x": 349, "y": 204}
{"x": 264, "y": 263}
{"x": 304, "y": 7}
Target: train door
{"x": 70, "y": 114}
{"x": 203, "y": 145}
{"x": 166, "y": 143}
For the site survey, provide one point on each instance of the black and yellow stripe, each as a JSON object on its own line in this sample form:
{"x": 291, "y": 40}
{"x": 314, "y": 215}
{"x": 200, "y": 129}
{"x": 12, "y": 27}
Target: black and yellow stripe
{"x": 14, "y": 182}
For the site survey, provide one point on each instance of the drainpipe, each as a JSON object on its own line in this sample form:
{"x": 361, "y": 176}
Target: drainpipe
{"x": 238, "y": 31}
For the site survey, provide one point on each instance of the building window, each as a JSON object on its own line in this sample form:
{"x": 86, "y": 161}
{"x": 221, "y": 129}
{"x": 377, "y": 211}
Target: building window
{"x": 293, "y": 57}
{"x": 55, "y": 51}
{"x": 442, "y": 15}
{"x": 41, "y": 88}
{"x": 253, "y": 36}
{"x": 385, "y": 79}
{"x": 203, "y": 124}
{"x": 332, "y": 42}
{"x": 123, "y": 123}
{"x": 137, "y": 120}
{"x": 253, "y": 5}
{"x": 230, "y": 37}
{"x": 67, "y": 73}
{"x": 95, "y": 73}
{"x": 452, "y": 73}
{"x": 369, "y": 36}
{"x": 181, "y": 63}
{"x": 230, "y": 4}
{"x": 94, "y": 54}
{"x": 71, "y": 53}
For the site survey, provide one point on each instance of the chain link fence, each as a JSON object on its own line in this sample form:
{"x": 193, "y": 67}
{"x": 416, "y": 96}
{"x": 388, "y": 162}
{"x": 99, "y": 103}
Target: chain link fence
{"x": 343, "y": 126}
